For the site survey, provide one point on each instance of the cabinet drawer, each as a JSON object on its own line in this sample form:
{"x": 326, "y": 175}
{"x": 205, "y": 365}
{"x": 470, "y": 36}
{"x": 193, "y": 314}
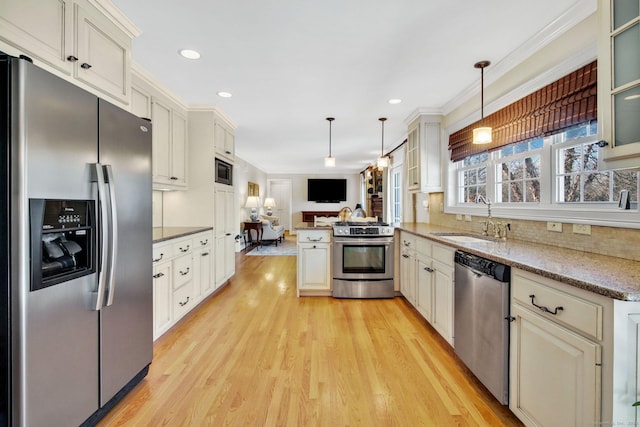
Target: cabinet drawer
{"x": 162, "y": 253}
{"x": 582, "y": 315}
{"x": 423, "y": 247}
{"x": 182, "y": 271}
{"x": 320, "y": 236}
{"x": 442, "y": 254}
{"x": 407, "y": 240}
{"x": 183, "y": 300}
{"x": 202, "y": 240}
{"x": 183, "y": 247}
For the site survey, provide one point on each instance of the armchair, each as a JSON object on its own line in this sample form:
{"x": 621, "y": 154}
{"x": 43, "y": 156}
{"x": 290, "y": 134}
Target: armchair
{"x": 271, "y": 230}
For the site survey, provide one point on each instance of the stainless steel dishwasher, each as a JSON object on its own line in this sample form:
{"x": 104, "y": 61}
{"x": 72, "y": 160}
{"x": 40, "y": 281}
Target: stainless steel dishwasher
{"x": 481, "y": 320}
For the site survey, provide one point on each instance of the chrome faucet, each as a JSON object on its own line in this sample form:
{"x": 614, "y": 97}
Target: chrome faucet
{"x": 488, "y": 223}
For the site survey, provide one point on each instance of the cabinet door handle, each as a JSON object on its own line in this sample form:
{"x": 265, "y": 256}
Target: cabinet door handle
{"x": 182, "y": 304}
{"x": 430, "y": 270}
{"x": 319, "y": 239}
{"x": 543, "y": 308}
{"x": 157, "y": 276}
{"x": 205, "y": 254}
{"x": 227, "y": 152}
{"x": 85, "y": 66}
{"x": 405, "y": 256}
{"x": 184, "y": 273}
{"x": 185, "y": 250}
{"x": 71, "y": 58}
{"x": 158, "y": 259}
{"x": 204, "y": 243}
{"x": 175, "y": 178}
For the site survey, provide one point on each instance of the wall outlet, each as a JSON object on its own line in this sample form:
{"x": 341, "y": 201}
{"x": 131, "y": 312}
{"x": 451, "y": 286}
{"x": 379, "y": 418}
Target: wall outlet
{"x": 467, "y": 218}
{"x": 554, "y": 226}
{"x": 582, "y": 229}
{"x": 459, "y": 217}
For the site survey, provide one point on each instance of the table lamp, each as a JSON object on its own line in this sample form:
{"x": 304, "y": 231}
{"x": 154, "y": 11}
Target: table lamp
{"x": 253, "y": 202}
{"x": 269, "y": 203}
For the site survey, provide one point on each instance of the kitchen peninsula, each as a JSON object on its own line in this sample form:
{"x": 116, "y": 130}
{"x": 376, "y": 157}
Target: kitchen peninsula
{"x": 314, "y": 259}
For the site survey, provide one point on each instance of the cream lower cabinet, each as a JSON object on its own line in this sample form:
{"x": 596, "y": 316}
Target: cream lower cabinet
{"x": 426, "y": 280}
{"x": 314, "y": 263}
{"x": 225, "y": 229}
{"x": 182, "y": 277}
{"x": 555, "y": 355}
{"x": 556, "y": 373}
{"x": 443, "y": 288}
{"x": 408, "y": 267}
{"x": 161, "y": 298}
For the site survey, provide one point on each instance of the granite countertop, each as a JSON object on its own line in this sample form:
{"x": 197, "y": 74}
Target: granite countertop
{"x": 311, "y": 226}
{"x": 613, "y": 277}
{"x": 160, "y": 234}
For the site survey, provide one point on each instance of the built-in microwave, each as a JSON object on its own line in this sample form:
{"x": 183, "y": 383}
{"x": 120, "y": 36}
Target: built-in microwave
{"x": 224, "y": 172}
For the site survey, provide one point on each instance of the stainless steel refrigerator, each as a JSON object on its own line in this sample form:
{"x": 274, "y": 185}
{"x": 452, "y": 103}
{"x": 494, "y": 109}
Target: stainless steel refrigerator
{"x": 75, "y": 249}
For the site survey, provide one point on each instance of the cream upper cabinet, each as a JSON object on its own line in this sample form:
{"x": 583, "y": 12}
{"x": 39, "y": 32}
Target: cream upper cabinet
{"x": 140, "y": 103}
{"x": 619, "y": 83}
{"x": 423, "y": 155}
{"x": 169, "y": 145}
{"x": 224, "y": 141}
{"x": 74, "y": 38}
{"x": 46, "y": 35}
{"x": 103, "y": 53}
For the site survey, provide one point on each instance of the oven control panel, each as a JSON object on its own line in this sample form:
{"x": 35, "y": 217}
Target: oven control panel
{"x": 362, "y": 231}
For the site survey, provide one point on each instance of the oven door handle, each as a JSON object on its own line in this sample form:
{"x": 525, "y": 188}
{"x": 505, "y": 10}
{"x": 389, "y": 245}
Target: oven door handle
{"x": 374, "y": 240}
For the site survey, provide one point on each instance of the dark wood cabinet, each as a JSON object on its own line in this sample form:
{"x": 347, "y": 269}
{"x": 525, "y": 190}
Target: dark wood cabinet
{"x": 307, "y": 216}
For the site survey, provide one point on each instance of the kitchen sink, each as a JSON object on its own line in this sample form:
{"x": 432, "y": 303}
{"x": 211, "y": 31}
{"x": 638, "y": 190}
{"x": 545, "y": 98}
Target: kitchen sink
{"x": 465, "y": 238}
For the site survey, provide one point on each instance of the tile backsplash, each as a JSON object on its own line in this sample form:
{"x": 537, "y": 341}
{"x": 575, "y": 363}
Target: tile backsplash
{"x": 612, "y": 241}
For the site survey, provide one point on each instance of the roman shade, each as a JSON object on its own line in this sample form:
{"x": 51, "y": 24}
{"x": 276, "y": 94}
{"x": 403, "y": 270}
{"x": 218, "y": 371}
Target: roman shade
{"x": 566, "y": 102}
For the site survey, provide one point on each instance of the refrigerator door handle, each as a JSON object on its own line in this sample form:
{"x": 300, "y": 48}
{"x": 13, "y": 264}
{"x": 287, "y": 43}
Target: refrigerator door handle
{"x": 113, "y": 225}
{"x": 97, "y": 176}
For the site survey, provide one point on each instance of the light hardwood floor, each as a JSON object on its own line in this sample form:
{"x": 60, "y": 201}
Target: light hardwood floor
{"x": 255, "y": 355}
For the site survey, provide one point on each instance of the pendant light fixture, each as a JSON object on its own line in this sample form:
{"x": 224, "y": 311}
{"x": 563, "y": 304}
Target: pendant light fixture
{"x": 482, "y": 134}
{"x": 329, "y": 161}
{"x": 383, "y": 161}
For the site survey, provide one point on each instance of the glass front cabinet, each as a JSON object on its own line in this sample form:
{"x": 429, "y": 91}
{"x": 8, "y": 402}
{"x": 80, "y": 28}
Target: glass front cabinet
{"x": 619, "y": 83}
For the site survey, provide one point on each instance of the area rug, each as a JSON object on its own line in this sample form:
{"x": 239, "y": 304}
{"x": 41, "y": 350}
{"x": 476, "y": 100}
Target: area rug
{"x": 286, "y": 248}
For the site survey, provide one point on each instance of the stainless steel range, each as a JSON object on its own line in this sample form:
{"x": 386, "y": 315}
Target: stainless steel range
{"x": 362, "y": 260}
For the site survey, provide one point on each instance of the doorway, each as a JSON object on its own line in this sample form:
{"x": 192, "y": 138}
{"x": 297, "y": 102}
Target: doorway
{"x": 280, "y": 190}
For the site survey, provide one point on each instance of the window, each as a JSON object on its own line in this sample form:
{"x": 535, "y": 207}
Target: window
{"x": 473, "y": 177}
{"x": 396, "y": 195}
{"x": 559, "y": 170}
{"x": 578, "y": 179}
{"x": 518, "y": 172}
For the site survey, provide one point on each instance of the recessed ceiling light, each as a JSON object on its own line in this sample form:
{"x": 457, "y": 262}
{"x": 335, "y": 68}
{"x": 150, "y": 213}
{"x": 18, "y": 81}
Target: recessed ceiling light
{"x": 394, "y": 101}
{"x": 190, "y": 54}
{"x": 224, "y": 94}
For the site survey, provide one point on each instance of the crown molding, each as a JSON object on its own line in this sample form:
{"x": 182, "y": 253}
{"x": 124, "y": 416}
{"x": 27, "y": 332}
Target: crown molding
{"x": 572, "y": 63}
{"x": 421, "y": 112}
{"x": 216, "y": 110}
{"x": 570, "y": 18}
{"x": 116, "y": 16}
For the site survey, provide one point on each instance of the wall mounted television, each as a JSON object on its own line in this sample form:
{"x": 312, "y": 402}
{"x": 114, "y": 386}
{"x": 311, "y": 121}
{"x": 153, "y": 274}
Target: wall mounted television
{"x": 323, "y": 190}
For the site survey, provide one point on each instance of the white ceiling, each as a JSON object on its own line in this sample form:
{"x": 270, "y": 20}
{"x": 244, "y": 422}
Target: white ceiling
{"x": 292, "y": 63}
